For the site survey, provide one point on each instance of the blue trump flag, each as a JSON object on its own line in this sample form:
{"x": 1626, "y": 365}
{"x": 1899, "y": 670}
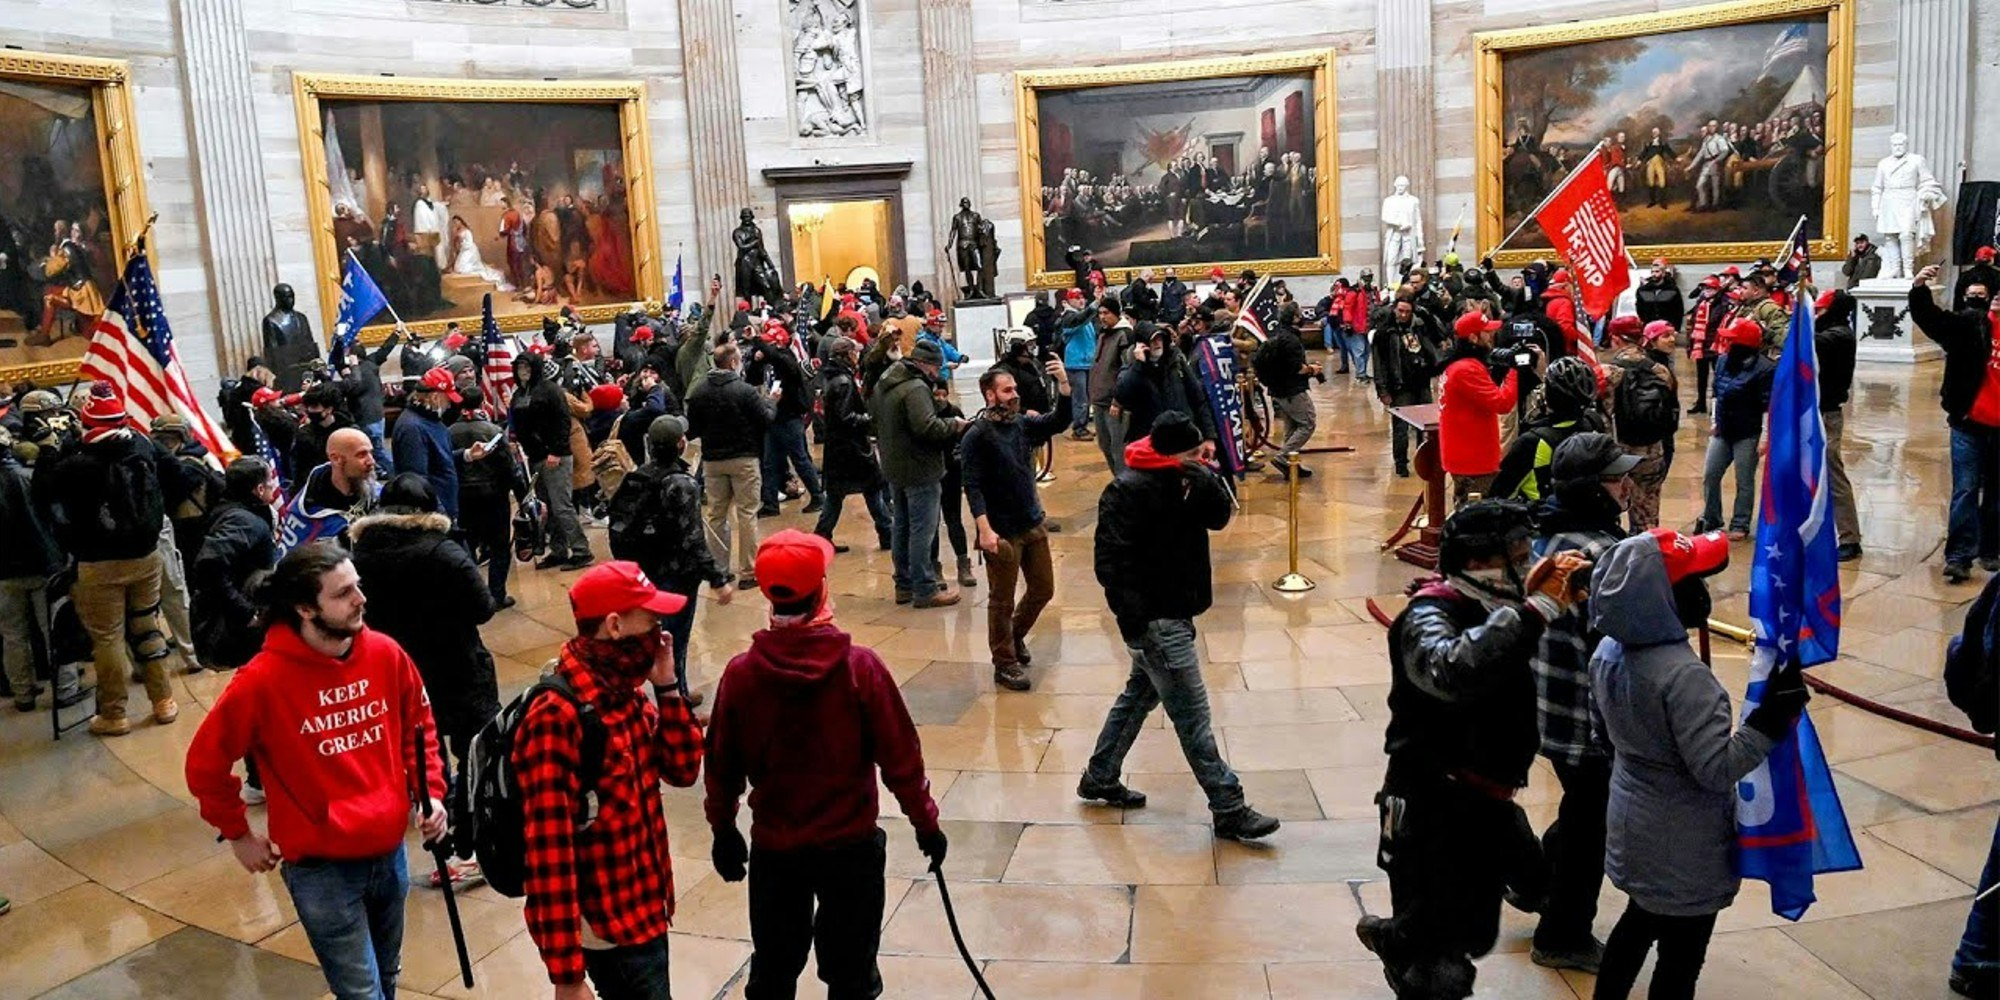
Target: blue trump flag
{"x": 675, "y": 297}
{"x": 1215, "y": 360}
{"x": 1789, "y": 823}
{"x": 360, "y": 301}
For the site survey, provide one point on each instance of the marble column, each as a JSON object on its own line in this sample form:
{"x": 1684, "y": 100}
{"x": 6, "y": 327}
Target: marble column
{"x": 229, "y": 174}
{"x": 1933, "y": 98}
{"x": 1406, "y": 146}
{"x": 715, "y": 140}
{"x": 951, "y": 127}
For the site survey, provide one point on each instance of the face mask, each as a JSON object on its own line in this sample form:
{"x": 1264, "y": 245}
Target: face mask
{"x": 1975, "y": 303}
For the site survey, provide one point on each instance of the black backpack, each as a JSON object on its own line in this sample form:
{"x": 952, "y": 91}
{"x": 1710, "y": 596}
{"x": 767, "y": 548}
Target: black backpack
{"x": 486, "y": 807}
{"x": 133, "y": 507}
{"x": 634, "y": 522}
{"x": 1646, "y": 408}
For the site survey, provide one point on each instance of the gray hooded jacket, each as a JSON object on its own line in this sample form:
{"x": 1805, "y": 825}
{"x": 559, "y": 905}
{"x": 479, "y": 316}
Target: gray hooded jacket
{"x": 1671, "y": 825}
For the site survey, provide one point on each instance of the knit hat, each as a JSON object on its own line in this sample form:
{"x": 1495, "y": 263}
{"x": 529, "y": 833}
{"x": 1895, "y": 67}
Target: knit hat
{"x": 104, "y": 407}
{"x": 1627, "y": 327}
{"x": 664, "y": 436}
{"x": 927, "y": 352}
{"x": 1174, "y": 433}
{"x": 406, "y": 493}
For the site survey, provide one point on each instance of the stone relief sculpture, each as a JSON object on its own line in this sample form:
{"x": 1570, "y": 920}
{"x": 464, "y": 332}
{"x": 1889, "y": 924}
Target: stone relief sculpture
{"x": 827, "y": 80}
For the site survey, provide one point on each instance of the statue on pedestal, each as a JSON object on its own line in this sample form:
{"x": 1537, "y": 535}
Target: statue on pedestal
{"x": 756, "y": 276}
{"x": 1402, "y": 228}
{"x": 1904, "y": 195}
{"x": 974, "y": 251}
{"x": 289, "y": 344}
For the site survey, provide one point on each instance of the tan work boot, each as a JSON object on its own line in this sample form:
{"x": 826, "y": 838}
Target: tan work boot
{"x": 104, "y": 725}
{"x": 165, "y": 710}
{"x": 941, "y": 599}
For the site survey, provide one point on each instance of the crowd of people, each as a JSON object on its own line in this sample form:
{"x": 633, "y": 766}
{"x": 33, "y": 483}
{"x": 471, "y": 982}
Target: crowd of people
{"x": 343, "y": 562}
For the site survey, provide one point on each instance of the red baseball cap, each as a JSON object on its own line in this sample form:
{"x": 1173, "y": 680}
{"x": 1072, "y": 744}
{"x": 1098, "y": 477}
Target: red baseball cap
{"x": 613, "y": 588}
{"x": 1984, "y": 255}
{"x": 1745, "y": 332}
{"x": 265, "y": 395}
{"x": 1626, "y": 326}
{"x": 454, "y": 341}
{"x": 1694, "y": 556}
{"x": 1733, "y": 271}
{"x": 439, "y": 379}
{"x": 604, "y": 398}
{"x": 792, "y": 565}
{"x": 1472, "y": 324}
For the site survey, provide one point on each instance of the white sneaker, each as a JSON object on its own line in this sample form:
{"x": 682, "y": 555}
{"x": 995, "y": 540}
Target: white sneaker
{"x": 253, "y": 796}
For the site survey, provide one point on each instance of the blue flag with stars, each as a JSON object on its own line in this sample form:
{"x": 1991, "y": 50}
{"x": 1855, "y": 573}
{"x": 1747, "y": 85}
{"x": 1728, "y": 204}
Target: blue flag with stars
{"x": 360, "y": 301}
{"x": 1789, "y": 822}
{"x": 675, "y": 297}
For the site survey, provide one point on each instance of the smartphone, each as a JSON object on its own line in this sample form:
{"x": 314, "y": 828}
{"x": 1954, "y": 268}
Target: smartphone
{"x": 493, "y": 444}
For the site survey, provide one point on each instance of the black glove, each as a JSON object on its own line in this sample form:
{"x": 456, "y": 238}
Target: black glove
{"x": 730, "y": 854}
{"x": 1785, "y": 696}
{"x": 933, "y": 846}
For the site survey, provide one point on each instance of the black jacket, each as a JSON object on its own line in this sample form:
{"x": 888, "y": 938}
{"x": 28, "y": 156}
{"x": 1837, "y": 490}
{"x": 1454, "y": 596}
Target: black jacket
{"x": 30, "y": 550}
{"x": 241, "y": 546}
{"x": 729, "y": 417}
{"x": 1834, "y": 345}
{"x": 795, "y": 399}
{"x": 1141, "y": 302}
{"x": 1152, "y": 387}
{"x": 540, "y": 418}
{"x": 362, "y": 385}
{"x": 309, "y": 444}
{"x": 1661, "y": 300}
{"x": 498, "y": 474}
{"x": 847, "y": 463}
{"x": 90, "y": 518}
{"x": 1278, "y": 362}
{"x": 1461, "y": 692}
{"x": 671, "y": 544}
{"x": 1173, "y": 302}
{"x": 1151, "y": 545}
{"x": 1398, "y": 371}
{"x": 645, "y": 409}
{"x": 426, "y": 593}
{"x": 1028, "y": 381}
{"x": 998, "y": 463}
{"x": 1967, "y": 339}
{"x": 1976, "y": 274}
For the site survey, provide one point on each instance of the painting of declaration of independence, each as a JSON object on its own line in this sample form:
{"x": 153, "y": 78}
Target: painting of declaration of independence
{"x": 444, "y": 202}
{"x": 1714, "y": 134}
{"x": 1181, "y": 172}
{"x": 58, "y": 251}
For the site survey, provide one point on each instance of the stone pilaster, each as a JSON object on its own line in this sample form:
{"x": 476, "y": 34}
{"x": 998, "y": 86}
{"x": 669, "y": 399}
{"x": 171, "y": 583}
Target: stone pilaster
{"x": 229, "y": 174}
{"x": 951, "y": 126}
{"x": 715, "y": 141}
{"x": 1933, "y": 95}
{"x": 1403, "y": 102}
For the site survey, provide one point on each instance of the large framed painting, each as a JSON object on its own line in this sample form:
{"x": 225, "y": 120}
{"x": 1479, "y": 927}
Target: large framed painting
{"x": 1180, "y": 167}
{"x": 72, "y": 200}
{"x": 1719, "y": 126}
{"x": 446, "y": 191}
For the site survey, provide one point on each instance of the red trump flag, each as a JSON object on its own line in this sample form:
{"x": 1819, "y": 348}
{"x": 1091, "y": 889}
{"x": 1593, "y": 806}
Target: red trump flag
{"x": 1581, "y": 220}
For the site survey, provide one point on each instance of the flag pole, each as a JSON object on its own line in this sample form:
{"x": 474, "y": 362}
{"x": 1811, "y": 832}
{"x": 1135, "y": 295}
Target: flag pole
{"x": 1537, "y": 210}
{"x": 385, "y": 299}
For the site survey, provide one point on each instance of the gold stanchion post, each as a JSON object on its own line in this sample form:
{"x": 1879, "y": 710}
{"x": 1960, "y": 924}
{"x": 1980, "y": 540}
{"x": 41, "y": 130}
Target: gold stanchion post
{"x": 1293, "y": 582}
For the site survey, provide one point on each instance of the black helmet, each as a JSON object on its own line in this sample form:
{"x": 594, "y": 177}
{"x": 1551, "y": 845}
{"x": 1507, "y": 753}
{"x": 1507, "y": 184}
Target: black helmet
{"x": 1570, "y": 385}
{"x": 1480, "y": 531}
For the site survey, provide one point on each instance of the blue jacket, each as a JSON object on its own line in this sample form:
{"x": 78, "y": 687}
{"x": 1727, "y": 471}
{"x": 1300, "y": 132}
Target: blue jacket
{"x": 952, "y": 355}
{"x": 422, "y": 445}
{"x": 1079, "y": 342}
{"x": 1742, "y": 396}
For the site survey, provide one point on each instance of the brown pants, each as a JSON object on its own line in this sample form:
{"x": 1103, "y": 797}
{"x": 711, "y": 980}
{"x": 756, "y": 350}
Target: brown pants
{"x": 1846, "y": 518}
{"x": 118, "y": 602}
{"x": 1024, "y": 555}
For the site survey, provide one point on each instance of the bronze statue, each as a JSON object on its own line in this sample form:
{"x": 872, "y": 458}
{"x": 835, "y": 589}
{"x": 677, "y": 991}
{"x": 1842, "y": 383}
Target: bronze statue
{"x": 756, "y": 276}
{"x": 289, "y": 345}
{"x": 973, "y": 250}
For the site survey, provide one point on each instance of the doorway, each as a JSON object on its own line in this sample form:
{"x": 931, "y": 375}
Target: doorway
{"x": 830, "y": 240}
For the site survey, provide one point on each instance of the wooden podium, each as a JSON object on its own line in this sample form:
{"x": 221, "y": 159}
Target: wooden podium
{"x": 1423, "y": 551}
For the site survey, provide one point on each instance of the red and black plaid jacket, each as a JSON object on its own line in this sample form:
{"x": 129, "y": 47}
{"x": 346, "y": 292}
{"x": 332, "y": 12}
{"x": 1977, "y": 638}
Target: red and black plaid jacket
{"x": 615, "y": 874}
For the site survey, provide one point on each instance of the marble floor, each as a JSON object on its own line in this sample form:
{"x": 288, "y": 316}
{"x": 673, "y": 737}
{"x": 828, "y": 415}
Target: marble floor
{"x": 120, "y": 890}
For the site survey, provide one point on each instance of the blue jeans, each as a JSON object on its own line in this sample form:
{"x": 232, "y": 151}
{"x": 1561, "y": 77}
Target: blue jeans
{"x": 1356, "y": 346}
{"x": 1079, "y": 388}
{"x": 629, "y": 972}
{"x": 352, "y": 913}
{"x": 785, "y": 442}
{"x": 1166, "y": 672}
{"x": 1978, "y": 956}
{"x": 1111, "y": 438}
{"x": 1974, "y": 524}
{"x": 912, "y": 537}
{"x": 680, "y": 625}
{"x": 1721, "y": 455}
{"x": 385, "y": 463}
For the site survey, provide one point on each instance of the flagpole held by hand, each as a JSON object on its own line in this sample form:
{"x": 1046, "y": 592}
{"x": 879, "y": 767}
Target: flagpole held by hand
{"x": 1537, "y": 210}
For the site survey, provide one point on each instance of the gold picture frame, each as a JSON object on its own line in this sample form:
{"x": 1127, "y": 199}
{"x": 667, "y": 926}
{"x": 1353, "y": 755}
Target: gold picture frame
{"x": 110, "y": 85}
{"x": 1030, "y": 85}
{"x": 310, "y": 90}
{"x": 1490, "y": 111}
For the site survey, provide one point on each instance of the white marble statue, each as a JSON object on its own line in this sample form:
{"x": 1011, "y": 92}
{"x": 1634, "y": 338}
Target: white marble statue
{"x": 1904, "y": 195}
{"x": 827, "y": 81}
{"x": 1402, "y": 229}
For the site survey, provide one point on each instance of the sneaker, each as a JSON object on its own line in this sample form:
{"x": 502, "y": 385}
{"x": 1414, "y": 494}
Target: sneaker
{"x": 1738, "y": 534}
{"x": 252, "y": 796}
{"x": 24, "y": 701}
{"x": 1010, "y": 676}
{"x": 551, "y": 561}
{"x": 1849, "y": 552}
{"x": 903, "y": 597}
{"x": 747, "y": 581}
{"x": 1021, "y": 654}
{"x": 1114, "y": 794}
{"x": 1583, "y": 957}
{"x": 463, "y": 874}
{"x": 582, "y": 561}
{"x": 769, "y": 510}
{"x": 165, "y": 710}
{"x": 694, "y": 698}
{"x": 840, "y": 550}
{"x": 1965, "y": 984}
{"x": 1244, "y": 823}
{"x": 1402, "y": 472}
{"x": 75, "y": 696}
{"x": 1957, "y": 572}
{"x": 813, "y": 506}
{"x": 104, "y": 725}
{"x": 941, "y": 599}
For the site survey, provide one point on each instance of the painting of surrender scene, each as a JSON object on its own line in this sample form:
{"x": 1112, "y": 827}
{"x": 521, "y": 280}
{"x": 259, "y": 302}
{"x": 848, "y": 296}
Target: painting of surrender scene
{"x": 58, "y": 244}
{"x": 1713, "y": 134}
{"x": 445, "y": 202}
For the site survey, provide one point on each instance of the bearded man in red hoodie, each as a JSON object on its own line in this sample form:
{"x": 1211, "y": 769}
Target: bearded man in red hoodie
{"x": 805, "y": 717}
{"x": 336, "y": 719}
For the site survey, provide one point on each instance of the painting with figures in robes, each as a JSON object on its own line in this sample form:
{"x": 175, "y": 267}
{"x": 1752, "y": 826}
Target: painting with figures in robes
{"x": 447, "y": 201}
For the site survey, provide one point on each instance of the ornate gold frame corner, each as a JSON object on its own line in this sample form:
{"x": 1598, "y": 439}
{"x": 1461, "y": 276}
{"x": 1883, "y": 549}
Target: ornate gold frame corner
{"x": 117, "y": 152}
{"x": 635, "y": 142}
{"x": 1489, "y": 110}
{"x": 1028, "y": 85}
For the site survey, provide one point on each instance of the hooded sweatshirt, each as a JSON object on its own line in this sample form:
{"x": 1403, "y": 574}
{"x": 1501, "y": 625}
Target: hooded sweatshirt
{"x": 805, "y": 717}
{"x": 335, "y": 740}
{"x": 1671, "y": 823}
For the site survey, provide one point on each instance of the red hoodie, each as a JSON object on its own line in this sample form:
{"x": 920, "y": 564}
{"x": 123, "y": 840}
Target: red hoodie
{"x": 805, "y": 717}
{"x": 333, "y": 738}
{"x": 1469, "y": 411}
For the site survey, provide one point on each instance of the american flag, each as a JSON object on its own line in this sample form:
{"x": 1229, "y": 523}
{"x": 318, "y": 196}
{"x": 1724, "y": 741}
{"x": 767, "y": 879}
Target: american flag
{"x": 1790, "y": 42}
{"x": 496, "y": 380}
{"x": 1798, "y": 256}
{"x": 132, "y": 349}
{"x": 269, "y": 453}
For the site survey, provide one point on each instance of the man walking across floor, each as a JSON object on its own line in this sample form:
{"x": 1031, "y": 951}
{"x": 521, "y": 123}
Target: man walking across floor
{"x": 540, "y": 421}
{"x": 847, "y": 461}
{"x": 335, "y": 718}
{"x": 807, "y": 719}
{"x": 600, "y": 894}
{"x": 998, "y": 455}
{"x": 785, "y": 442}
{"x": 914, "y": 440}
{"x": 1152, "y": 560}
{"x": 1282, "y": 366}
{"x": 1970, "y": 395}
{"x": 730, "y": 417}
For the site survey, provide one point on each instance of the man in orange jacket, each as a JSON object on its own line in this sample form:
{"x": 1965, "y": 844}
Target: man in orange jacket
{"x": 1471, "y": 404}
